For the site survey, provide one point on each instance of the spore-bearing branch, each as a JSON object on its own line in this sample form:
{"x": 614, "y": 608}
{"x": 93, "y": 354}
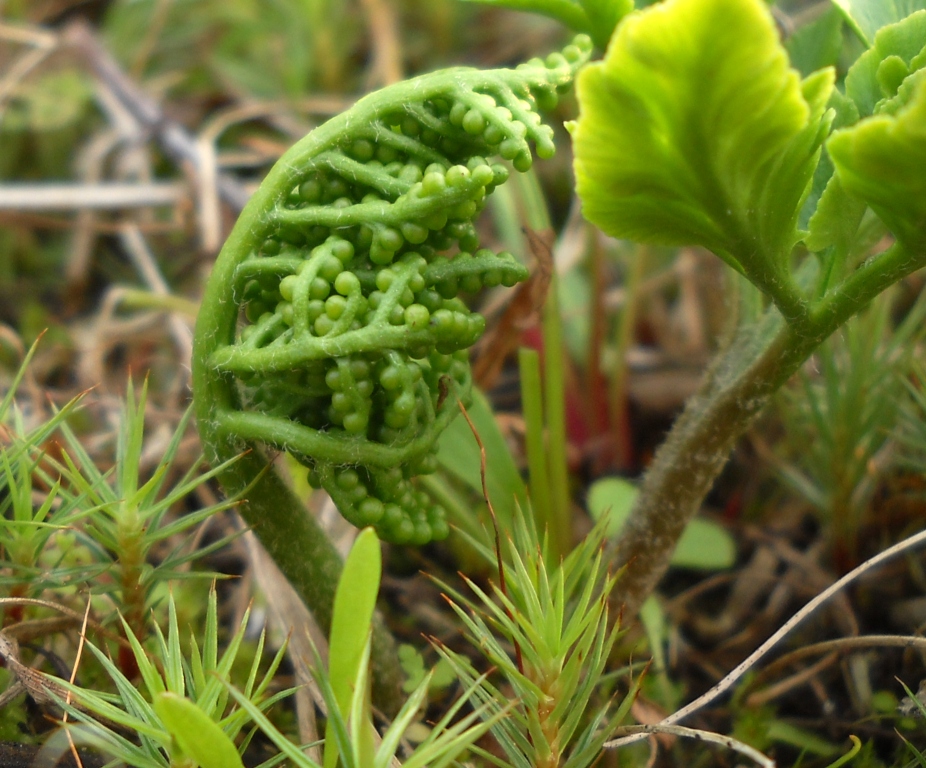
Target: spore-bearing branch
{"x": 333, "y": 326}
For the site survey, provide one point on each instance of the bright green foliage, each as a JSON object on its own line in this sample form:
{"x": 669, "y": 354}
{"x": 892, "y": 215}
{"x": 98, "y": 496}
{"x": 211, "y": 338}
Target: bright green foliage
{"x": 866, "y": 17}
{"x": 882, "y": 160}
{"x": 557, "y": 619}
{"x": 29, "y": 532}
{"x": 840, "y": 421}
{"x": 350, "y": 735}
{"x": 188, "y": 711}
{"x": 882, "y": 78}
{"x": 197, "y": 735}
{"x": 168, "y": 730}
{"x": 37, "y": 550}
{"x": 447, "y": 739}
{"x": 835, "y": 221}
{"x": 333, "y": 326}
{"x": 92, "y": 522}
{"x": 126, "y": 514}
{"x": 694, "y": 130}
{"x": 661, "y": 158}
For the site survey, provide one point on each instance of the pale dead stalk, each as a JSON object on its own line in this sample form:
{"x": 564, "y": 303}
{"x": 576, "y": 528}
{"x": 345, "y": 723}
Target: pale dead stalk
{"x": 728, "y": 682}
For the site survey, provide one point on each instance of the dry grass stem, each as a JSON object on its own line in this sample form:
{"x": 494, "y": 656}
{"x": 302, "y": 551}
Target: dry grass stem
{"x": 97, "y": 196}
{"x": 743, "y": 667}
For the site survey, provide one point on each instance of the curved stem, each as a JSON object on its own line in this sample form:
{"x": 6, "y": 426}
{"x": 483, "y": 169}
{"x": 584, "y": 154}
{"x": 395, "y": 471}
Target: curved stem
{"x": 220, "y": 361}
{"x": 737, "y": 388}
{"x": 280, "y": 520}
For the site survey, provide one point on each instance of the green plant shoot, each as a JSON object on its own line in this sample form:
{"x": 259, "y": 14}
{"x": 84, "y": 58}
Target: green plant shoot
{"x": 557, "y": 619}
{"x": 354, "y": 603}
{"x": 180, "y": 710}
{"x": 332, "y": 327}
{"x": 695, "y": 130}
{"x": 197, "y": 735}
{"x": 350, "y": 738}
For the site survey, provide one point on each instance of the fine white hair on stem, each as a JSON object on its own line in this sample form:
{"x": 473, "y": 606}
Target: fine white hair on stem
{"x": 724, "y": 685}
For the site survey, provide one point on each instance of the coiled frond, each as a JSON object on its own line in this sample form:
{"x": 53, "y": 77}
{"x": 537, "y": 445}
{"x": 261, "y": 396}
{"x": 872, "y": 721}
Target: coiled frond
{"x": 333, "y": 326}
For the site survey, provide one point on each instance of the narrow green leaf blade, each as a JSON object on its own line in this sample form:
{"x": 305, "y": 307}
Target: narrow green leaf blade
{"x": 459, "y": 455}
{"x": 882, "y": 160}
{"x": 695, "y": 130}
{"x": 354, "y": 603}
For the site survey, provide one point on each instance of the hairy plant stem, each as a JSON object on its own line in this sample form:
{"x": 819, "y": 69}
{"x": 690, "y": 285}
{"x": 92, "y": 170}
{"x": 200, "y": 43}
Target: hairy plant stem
{"x": 737, "y": 387}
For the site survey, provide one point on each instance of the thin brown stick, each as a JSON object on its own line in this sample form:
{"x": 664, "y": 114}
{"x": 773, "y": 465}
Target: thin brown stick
{"x": 803, "y": 677}
{"x": 386, "y": 59}
{"x": 498, "y": 536}
{"x": 67, "y": 698}
{"x": 172, "y": 136}
{"x": 43, "y": 44}
{"x": 145, "y": 264}
{"x": 838, "y": 645}
{"x": 75, "y": 615}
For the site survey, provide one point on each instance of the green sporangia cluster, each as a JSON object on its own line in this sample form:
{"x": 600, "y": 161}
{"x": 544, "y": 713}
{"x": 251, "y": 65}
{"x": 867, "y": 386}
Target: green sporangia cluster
{"x": 341, "y": 326}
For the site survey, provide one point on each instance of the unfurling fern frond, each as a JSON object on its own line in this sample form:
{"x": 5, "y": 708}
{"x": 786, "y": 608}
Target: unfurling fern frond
{"x": 332, "y": 326}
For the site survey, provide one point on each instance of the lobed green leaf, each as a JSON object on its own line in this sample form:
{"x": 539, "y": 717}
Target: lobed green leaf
{"x": 835, "y": 220}
{"x": 695, "y": 130}
{"x": 880, "y": 79}
{"x": 882, "y": 160}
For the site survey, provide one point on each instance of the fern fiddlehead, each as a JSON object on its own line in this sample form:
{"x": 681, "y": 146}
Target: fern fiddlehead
{"x": 331, "y": 326}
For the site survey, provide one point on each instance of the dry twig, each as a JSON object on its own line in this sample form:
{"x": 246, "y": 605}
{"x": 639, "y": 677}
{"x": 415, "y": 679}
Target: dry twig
{"x": 727, "y": 683}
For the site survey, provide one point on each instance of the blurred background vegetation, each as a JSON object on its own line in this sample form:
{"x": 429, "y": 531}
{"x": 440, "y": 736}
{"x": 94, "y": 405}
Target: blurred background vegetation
{"x": 147, "y": 122}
